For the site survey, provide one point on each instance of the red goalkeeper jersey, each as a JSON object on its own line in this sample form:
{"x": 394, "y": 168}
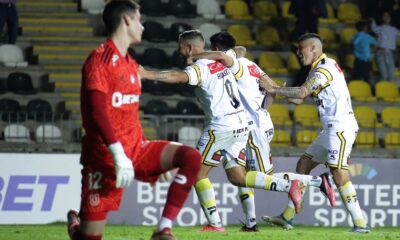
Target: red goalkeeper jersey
{"x": 107, "y": 71}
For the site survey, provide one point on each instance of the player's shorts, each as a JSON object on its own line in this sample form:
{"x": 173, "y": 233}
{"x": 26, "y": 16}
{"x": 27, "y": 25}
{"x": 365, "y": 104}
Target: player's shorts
{"x": 258, "y": 156}
{"x": 227, "y": 146}
{"x": 99, "y": 193}
{"x": 332, "y": 148}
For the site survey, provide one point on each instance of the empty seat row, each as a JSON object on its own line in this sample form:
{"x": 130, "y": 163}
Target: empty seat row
{"x": 19, "y": 83}
{"x": 184, "y": 107}
{"x": 384, "y": 90}
{"x": 11, "y": 56}
{"x": 42, "y": 133}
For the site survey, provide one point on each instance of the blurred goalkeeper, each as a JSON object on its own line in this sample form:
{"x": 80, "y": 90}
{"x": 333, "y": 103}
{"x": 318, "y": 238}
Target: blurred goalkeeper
{"x": 114, "y": 149}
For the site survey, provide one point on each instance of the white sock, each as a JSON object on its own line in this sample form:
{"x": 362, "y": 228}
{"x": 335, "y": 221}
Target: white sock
{"x": 263, "y": 181}
{"x": 308, "y": 180}
{"x": 164, "y": 223}
{"x": 248, "y": 205}
{"x": 349, "y": 197}
{"x": 206, "y": 195}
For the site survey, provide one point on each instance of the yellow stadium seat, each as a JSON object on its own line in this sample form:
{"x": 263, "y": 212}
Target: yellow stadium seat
{"x": 331, "y": 15}
{"x": 237, "y": 10}
{"x": 349, "y": 12}
{"x": 347, "y": 34}
{"x": 366, "y": 140}
{"x": 328, "y": 37}
{"x": 391, "y": 117}
{"x": 242, "y": 35}
{"x": 249, "y": 56}
{"x": 272, "y": 63}
{"x": 361, "y": 91}
{"x": 387, "y": 91}
{"x": 366, "y": 117}
{"x": 285, "y": 11}
{"x": 281, "y": 138}
{"x": 265, "y": 10}
{"x": 333, "y": 56}
{"x": 280, "y": 115}
{"x": 306, "y": 115}
{"x": 293, "y": 62}
{"x": 268, "y": 36}
{"x": 305, "y": 137}
{"x": 349, "y": 61}
{"x": 392, "y": 140}
{"x": 150, "y": 133}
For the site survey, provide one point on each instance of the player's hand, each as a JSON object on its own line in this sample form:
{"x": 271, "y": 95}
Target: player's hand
{"x": 123, "y": 165}
{"x": 165, "y": 177}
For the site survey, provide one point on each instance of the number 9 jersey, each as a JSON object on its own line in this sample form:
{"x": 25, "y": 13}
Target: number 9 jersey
{"x": 218, "y": 95}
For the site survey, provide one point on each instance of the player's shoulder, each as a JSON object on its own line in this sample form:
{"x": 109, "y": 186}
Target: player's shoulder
{"x": 104, "y": 54}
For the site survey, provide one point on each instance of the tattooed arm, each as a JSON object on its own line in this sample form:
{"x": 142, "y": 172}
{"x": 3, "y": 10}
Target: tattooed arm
{"x": 290, "y": 92}
{"x": 215, "y": 55}
{"x": 164, "y": 76}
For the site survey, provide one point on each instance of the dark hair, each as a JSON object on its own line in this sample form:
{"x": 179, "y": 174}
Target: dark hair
{"x": 190, "y": 35}
{"x": 223, "y": 40}
{"x": 361, "y": 25}
{"x": 306, "y": 36}
{"x": 114, "y": 11}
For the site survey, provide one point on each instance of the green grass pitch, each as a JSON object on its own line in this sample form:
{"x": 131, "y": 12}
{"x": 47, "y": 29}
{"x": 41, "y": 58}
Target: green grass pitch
{"x": 117, "y": 232}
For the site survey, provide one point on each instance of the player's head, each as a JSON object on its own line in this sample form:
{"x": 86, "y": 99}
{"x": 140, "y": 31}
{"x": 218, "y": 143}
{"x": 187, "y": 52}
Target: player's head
{"x": 386, "y": 18}
{"x": 309, "y": 49}
{"x": 222, "y": 41}
{"x": 191, "y": 42}
{"x": 123, "y": 15}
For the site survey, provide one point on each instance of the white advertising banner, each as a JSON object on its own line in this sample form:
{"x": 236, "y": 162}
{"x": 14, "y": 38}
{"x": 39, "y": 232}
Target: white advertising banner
{"x": 38, "y": 188}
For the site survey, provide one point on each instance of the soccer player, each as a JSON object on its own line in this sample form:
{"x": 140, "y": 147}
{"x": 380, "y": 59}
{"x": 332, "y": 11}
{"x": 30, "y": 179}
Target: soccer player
{"x": 327, "y": 85}
{"x": 256, "y": 103}
{"x": 114, "y": 148}
{"x": 225, "y": 136}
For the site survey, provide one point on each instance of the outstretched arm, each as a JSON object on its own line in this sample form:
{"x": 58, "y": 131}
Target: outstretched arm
{"x": 215, "y": 55}
{"x": 164, "y": 76}
{"x": 289, "y": 92}
{"x": 296, "y": 101}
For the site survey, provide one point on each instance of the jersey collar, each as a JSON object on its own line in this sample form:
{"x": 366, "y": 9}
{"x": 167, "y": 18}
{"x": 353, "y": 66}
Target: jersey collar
{"x": 113, "y": 46}
{"x": 314, "y": 64}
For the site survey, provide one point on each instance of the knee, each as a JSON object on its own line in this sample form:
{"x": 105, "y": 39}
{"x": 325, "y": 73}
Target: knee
{"x": 237, "y": 180}
{"x": 301, "y": 166}
{"x": 188, "y": 157}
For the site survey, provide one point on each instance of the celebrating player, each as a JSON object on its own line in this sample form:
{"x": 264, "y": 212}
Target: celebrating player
{"x": 327, "y": 85}
{"x": 114, "y": 148}
{"x": 258, "y": 158}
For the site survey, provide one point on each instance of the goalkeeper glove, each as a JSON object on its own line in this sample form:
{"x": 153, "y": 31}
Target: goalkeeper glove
{"x": 123, "y": 165}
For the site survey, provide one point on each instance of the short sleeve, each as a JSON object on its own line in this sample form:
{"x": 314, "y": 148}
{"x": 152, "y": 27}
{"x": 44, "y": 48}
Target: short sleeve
{"x": 95, "y": 75}
{"x": 237, "y": 68}
{"x": 194, "y": 74}
{"x": 320, "y": 80}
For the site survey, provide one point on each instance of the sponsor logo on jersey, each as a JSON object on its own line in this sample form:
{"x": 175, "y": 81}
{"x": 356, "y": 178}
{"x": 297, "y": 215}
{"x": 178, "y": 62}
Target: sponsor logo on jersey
{"x": 118, "y": 99}
{"x": 254, "y": 71}
{"x": 215, "y": 67}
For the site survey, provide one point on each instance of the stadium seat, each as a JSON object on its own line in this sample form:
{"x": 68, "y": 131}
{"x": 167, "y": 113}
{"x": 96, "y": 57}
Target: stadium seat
{"x": 293, "y": 62}
{"x": 156, "y": 107}
{"x": 347, "y": 34}
{"x": 268, "y": 36}
{"x": 272, "y": 63}
{"x": 331, "y": 15}
{"x": 281, "y": 138}
{"x": 189, "y": 135}
{"x": 186, "y": 90}
{"x": 285, "y": 11}
{"x": 39, "y": 110}
{"x": 328, "y": 37}
{"x": 238, "y": 10}
{"x": 155, "y": 32}
{"x": 333, "y": 56}
{"x": 209, "y": 9}
{"x": 209, "y": 29}
{"x": 280, "y": 115}
{"x": 16, "y": 133}
{"x": 182, "y": 8}
{"x": 150, "y": 133}
{"x": 265, "y": 10}
{"x": 177, "y": 60}
{"x": 349, "y": 12}
{"x": 20, "y": 83}
{"x": 366, "y": 117}
{"x": 11, "y": 111}
{"x": 11, "y": 56}
{"x": 306, "y": 115}
{"x": 305, "y": 137}
{"x": 349, "y": 61}
{"x": 249, "y": 56}
{"x": 185, "y": 107}
{"x": 391, "y": 117}
{"x": 361, "y": 91}
{"x": 153, "y": 8}
{"x": 392, "y": 140}
{"x": 155, "y": 57}
{"x": 176, "y": 29}
{"x": 366, "y": 140}
{"x": 242, "y": 34}
{"x": 387, "y": 91}
{"x": 48, "y": 133}
{"x": 93, "y": 6}
{"x": 158, "y": 88}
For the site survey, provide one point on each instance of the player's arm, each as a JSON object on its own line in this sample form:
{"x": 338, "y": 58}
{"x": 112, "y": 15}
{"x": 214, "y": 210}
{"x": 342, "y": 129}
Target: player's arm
{"x": 164, "y": 76}
{"x": 296, "y": 101}
{"x": 268, "y": 100}
{"x": 215, "y": 55}
{"x": 290, "y": 92}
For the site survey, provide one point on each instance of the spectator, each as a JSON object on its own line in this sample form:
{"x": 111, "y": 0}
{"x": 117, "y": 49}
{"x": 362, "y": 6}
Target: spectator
{"x": 9, "y": 15}
{"x": 307, "y": 13}
{"x": 362, "y": 42}
{"x": 387, "y": 36}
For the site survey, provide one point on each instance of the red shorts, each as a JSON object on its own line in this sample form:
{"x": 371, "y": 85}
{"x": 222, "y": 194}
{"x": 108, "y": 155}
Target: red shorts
{"x": 99, "y": 193}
